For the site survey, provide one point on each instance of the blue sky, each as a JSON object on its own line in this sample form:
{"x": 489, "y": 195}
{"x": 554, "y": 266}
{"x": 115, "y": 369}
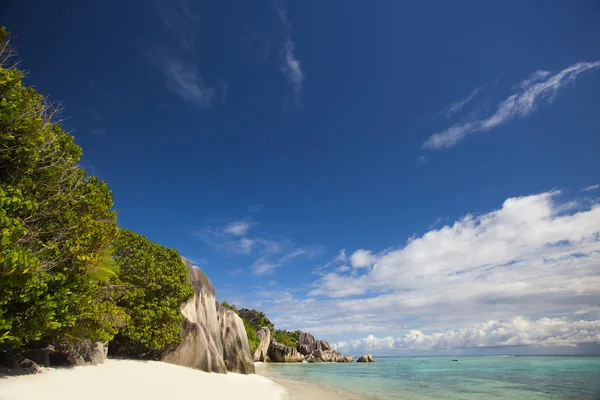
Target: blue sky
{"x": 392, "y": 176}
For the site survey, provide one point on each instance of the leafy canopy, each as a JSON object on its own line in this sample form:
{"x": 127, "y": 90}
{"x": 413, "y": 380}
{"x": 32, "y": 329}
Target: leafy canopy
{"x": 155, "y": 281}
{"x": 288, "y": 338}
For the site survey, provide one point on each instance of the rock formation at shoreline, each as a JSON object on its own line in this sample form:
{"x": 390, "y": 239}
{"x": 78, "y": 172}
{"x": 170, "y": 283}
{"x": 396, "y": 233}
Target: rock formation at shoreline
{"x": 202, "y": 347}
{"x": 236, "y": 352}
{"x": 214, "y": 338}
{"x": 308, "y": 348}
{"x": 366, "y": 358}
{"x": 347, "y": 358}
{"x": 281, "y": 353}
{"x": 262, "y": 351}
{"x": 328, "y": 355}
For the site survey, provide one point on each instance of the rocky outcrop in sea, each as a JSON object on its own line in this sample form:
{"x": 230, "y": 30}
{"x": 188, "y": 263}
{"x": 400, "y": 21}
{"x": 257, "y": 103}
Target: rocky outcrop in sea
{"x": 366, "y": 358}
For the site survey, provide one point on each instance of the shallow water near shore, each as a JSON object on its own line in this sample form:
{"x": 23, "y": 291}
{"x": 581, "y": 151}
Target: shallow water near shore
{"x": 527, "y": 377}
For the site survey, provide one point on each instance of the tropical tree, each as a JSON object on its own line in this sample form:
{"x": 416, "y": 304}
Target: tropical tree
{"x": 155, "y": 284}
{"x": 55, "y": 222}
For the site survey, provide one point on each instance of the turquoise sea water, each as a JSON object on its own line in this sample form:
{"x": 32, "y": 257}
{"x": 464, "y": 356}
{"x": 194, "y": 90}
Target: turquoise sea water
{"x": 527, "y": 377}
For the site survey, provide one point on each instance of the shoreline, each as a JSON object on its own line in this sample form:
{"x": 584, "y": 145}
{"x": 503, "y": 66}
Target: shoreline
{"x": 118, "y": 379}
{"x": 302, "y": 390}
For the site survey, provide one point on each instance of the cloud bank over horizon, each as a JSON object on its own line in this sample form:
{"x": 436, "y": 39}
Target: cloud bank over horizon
{"x": 525, "y": 274}
{"x": 517, "y": 331}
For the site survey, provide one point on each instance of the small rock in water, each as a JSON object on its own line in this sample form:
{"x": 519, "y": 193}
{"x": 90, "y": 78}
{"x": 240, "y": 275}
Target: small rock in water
{"x": 366, "y": 358}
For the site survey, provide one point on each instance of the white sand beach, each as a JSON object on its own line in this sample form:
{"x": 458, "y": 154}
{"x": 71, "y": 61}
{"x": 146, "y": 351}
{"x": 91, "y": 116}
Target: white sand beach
{"x": 126, "y": 379}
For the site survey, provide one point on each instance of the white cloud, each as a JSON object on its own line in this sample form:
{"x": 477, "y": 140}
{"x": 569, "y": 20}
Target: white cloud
{"x": 239, "y": 228}
{"x": 517, "y": 331}
{"x": 534, "y": 92}
{"x": 499, "y": 251}
{"x": 457, "y": 106}
{"x": 290, "y": 65}
{"x": 590, "y": 188}
{"x": 524, "y": 274}
{"x": 532, "y": 257}
{"x": 362, "y": 259}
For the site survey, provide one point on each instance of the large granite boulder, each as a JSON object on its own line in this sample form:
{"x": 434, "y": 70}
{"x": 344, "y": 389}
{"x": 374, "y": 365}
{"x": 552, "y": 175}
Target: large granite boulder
{"x": 307, "y": 343}
{"x": 366, "y": 358}
{"x": 262, "y": 351}
{"x": 320, "y": 349}
{"x": 347, "y": 358}
{"x": 325, "y": 345}
{"x": 281, "y": 353}
{"x": 202, "y": 346}
{"x": 214, "y": 338}
{"x": 236, "y": 352}
{"x": 328, "y": 355}
{"x": 304, "y": 349}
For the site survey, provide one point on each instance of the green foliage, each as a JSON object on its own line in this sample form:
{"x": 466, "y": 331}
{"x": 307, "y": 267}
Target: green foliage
{"x": 55, "y": 222}
{"x": 288, "y": 338}
{"x": 253, "y": 340}
{"x": 256, "y": 318}
{"x": 229, "y": 306}
{"x": 155, "y": 281}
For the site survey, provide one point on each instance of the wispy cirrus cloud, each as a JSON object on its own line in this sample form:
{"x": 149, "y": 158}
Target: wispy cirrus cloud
{"x": 185, "y": 80}
{"x": 182, "y": 76}
{"x": 535, "y": 77}
{"x": 590, "y": 188}
{"x": 290, "y": 64}
{"x": 457, "y": 106}
{"x": 268, "y": 254}
{"x": 273, "y": 260}
{"x": 540, "y": 88}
